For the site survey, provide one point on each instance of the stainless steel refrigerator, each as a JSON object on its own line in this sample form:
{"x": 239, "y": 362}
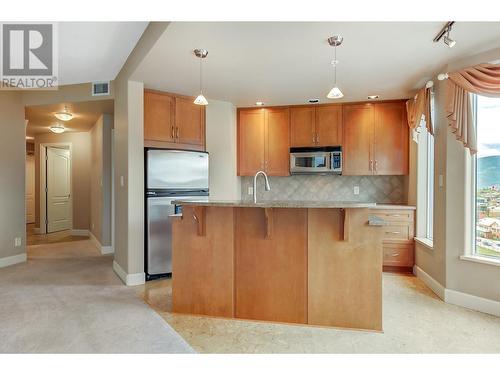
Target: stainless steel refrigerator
{"x": 170, "y": 175}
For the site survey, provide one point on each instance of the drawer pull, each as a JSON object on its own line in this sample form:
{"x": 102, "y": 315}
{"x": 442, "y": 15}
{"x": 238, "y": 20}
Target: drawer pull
{"x": 395, "y": 254}
{"x": 395, "y": 215}
{"x": 392, "y": 232}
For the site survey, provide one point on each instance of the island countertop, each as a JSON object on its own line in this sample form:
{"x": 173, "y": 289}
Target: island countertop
{"x": 276, "y": 204}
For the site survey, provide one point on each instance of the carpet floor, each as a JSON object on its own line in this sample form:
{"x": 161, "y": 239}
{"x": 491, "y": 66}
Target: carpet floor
{"x": 67, "y": 299}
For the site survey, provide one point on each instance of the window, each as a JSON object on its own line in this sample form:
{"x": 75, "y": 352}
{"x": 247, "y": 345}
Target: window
{"x": 486, "y": 176}
{"x": 430, "y": 187}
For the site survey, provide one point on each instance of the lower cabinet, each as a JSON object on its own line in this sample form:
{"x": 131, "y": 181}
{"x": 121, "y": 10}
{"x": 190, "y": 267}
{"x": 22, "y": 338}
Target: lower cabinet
{"x": 269, "y": 259}
{"x": 398, "y": 243}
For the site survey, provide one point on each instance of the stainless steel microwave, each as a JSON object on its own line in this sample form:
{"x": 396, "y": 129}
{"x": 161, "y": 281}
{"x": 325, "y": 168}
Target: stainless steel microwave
{"x": 311, "y": 160}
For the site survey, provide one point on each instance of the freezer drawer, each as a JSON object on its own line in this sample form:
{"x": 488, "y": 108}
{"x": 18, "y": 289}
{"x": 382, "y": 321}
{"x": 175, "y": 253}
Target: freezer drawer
{"x": 159, "y": 233}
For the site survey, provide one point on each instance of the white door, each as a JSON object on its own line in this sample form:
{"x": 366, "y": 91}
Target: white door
{"x": 30, "y": 189}
{"x": 58, "y": 189}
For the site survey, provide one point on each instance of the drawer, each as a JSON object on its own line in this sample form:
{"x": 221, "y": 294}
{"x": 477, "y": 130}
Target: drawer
{"x": 397, "y": 232}
{"x": 395, "y": 216}
{"x": 398, "y": 255}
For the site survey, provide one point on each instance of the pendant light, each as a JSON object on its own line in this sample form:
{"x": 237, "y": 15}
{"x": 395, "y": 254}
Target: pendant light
{"x": 335, "y": 92}
{"x": 200, "y": 99}
{"x": 65, "y": 115}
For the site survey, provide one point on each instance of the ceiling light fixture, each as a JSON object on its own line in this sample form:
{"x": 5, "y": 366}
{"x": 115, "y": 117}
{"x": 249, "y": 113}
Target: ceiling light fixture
{"x": 58, "y": 129}
{"x": 371, "y": 97}
{"x": 259, "y": 103}
{"x": 335, "y": 92}
{"x": 201, "y": 54}
{"x": 65, "y": 115}
{"x": 445, "y": 35}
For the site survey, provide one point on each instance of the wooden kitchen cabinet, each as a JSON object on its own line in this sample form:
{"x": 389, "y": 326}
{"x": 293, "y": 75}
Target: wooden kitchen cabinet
{"x": 329, "y": 125}
{"x": 375, "y": 139}
{"x": 189, "y": 121}
{"x": 158, "y": 117}
{"x": 316, "y": 126}
{"x": 358, "y": 140}
{"x": 173, "y": 121}
{"x": 302, "y": 127}
{"x": 391, "y": 139}
{"x": 263, "y": 141}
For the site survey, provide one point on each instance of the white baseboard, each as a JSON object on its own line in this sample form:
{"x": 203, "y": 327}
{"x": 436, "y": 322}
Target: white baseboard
{"x": 473, "y": 302}
{"x": 105, "y": 250}
{"x": 14, "y": 259}
{"x": 455, "y": 297}
{"x": 80, "y": 232}
{"x": 129, "y": 279}
{"x": 435, "y": 286}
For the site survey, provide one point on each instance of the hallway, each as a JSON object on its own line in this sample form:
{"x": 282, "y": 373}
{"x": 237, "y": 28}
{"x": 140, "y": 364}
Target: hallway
{"x": 33, "y": 238}
{"x": 67, "y": 299}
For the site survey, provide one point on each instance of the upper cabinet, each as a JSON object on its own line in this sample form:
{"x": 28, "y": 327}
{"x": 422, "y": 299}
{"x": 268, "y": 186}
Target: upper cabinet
{"x": 316, "y": 126}
{"x": 375, "y": 139}
{"x": 264, "y": 141}
{"x": 173, "y": 121}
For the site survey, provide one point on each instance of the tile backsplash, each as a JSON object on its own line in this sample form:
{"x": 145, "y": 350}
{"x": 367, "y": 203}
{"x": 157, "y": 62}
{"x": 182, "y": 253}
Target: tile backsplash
{"x": 379, "y": 189}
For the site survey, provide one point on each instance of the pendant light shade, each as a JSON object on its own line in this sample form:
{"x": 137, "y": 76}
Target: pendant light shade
{"x": 64, "y": 115}
{"x": 335, "y": 92}
{"x": 200, "y": 99}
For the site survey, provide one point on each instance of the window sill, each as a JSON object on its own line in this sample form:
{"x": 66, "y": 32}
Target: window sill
{"x": 480, "y": 259}
{"x": 425, "y": 242}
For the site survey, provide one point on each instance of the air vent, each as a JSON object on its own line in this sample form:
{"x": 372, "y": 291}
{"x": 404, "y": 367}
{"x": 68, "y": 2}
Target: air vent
{"x": 100, "y": 88}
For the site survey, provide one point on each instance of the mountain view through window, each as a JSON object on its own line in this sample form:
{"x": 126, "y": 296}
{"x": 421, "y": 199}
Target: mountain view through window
{"x": 488, "y": 177}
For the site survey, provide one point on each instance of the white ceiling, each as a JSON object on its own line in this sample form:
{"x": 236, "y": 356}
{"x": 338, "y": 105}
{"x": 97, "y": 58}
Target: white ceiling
{"x": 288, "y": 63}
{"x": 95, "y": 51}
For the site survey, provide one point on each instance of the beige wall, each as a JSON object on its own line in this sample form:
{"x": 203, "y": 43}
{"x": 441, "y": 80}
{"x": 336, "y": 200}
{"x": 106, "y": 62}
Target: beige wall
{"x": 221, "y": 145}
{"x": 80, "y": 180}
{"x": 129, "y": 161}
{"x": 100, "y": 180}
{"x": 443, "y": 262}
{"x": 12, "y": 160}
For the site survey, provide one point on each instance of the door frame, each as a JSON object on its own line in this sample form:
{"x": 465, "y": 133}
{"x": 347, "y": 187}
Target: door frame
{"x": 43, "y": 183}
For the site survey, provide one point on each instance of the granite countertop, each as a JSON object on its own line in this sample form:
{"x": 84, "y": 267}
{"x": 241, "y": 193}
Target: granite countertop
{"x": 392, "y": 206}
{"x": 276, "y": 204}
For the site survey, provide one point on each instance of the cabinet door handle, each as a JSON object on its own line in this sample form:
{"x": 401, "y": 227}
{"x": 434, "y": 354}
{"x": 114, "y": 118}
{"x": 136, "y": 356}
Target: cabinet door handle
{"x": 195, "y": 217}
{"x": 317, "y": 138}
{"x": 172, "y": 132}
{"x": 375, "y": 166}
{"x": 177, "y": 136}
{"x": 314, "y": 138}
{"x": 371, "y": 165}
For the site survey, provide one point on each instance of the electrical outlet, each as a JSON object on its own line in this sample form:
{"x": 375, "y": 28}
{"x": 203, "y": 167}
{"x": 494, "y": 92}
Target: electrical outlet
{"x": 17, "y": 241}
{"x": 92, "y": 225}
{"x": 356, "y": 190}
{"x": 250, "y": 190}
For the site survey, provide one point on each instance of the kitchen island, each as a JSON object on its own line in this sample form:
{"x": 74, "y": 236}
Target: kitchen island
{"x": 305, "y": 262}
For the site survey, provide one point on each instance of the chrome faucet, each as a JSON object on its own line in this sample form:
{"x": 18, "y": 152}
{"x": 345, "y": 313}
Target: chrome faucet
{"x": 268, "y": 187}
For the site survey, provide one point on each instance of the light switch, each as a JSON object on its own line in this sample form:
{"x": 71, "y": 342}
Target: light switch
{"x": 250, "y": 190}
{"x": 17, "y": 241}
{"x": 440, "y": 180}
{"x": 122, "y": 181}
{"x": 356, "y": 190}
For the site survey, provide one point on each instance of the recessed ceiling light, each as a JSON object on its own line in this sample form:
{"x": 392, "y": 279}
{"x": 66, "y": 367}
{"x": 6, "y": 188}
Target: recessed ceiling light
{"x": 371, "y": 97}
{"x": 313, "y": 101}
{"x": 259, "y": 103}
{"x": 58, "y": 129}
